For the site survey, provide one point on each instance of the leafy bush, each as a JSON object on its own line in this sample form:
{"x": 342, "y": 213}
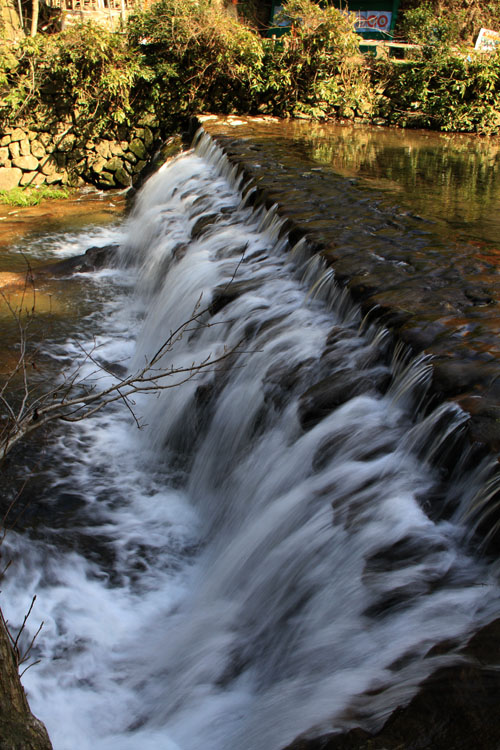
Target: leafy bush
{"x": 317, "y": 70}
{"x": 86, "y": 71}
{"x": 431, "y": 27}
{"x": 446, "y": 91}
{"x": 449, "y": 20}
{"x": 200, "y": 58}
{"x": 179, "y": 58}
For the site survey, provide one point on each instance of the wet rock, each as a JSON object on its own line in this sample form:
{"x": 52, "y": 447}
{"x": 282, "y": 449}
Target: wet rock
{"x": 224, "y": 295}
{"x": 202, "y": 223}
{"x": 106, "y": 179}
{"x": 323, "y": 397}
{"x": 456, "y": 707}
{"x": 113, "y": 164}
{"x": 138, "y": 149}
{"x": 92, "y": 260}
{"x": 122, "y": 177}
{"x": 453, "y": 377}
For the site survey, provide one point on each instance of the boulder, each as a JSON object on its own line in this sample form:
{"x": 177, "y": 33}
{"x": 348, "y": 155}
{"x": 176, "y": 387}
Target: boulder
{"x": 137, "y": 147}
{"x": 45, "y": 139}
{"x": 14, "y": 150}
{"x": 26, "y": 163}
{"x": 49, "y": 165}
{"x": 10, "y": 177}
{"x": 38, "y": 149}
{"x": 93, "y": 259}
{"x": 17, "y": 134}
{"x": 24, "y": 147}
{"x": 33, "y": 178}
{"x": 4, "y": 157}
{"x": 66, "y": 144}
{"x": 106, "y": 179}
{"x": 113, "y": 164}
{"x": 103, "y": 149}
{"x": 98, "y": 165}
{"x": 122, "y": 177}
{"x": 56, "y": 177}
{"x": 116, "y": 148}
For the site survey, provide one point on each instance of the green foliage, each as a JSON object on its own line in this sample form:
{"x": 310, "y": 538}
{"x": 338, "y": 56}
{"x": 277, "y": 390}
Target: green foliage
{"x": 31, "y": 196}
{"x": 179, "y": 58}
{"x": 87, "y": 71}
{"x": 447, "y": 91}
{"x": 317, "y": 70}
{"x": 199, "y": 57}
{"x": 427, "y": 26}
{"x": 451, "y": 21}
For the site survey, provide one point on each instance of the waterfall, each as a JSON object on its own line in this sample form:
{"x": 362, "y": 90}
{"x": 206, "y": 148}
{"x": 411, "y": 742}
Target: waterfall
{"x": 280, "y": 547}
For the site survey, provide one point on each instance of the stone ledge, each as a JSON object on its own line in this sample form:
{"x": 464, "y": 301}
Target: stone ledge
{"x": 436, "y": 299}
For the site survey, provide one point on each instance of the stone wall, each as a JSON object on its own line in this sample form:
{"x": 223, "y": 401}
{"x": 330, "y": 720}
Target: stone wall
{"x": 52, "y": 154}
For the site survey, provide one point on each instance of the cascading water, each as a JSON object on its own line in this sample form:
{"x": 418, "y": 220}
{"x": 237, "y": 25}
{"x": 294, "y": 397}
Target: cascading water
{"x": 257, "y": 561}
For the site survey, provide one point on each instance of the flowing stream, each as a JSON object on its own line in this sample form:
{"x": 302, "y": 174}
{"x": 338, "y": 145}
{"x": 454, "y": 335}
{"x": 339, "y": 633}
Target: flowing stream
{"x": 249, "y": 565}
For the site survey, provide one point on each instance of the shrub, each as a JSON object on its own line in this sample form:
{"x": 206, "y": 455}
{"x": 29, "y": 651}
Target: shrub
{"x": 86, "y": 71}
{"x": 317, "y": 70}
{"x": 447, "y": 91}
{"x": 200, "y": 57}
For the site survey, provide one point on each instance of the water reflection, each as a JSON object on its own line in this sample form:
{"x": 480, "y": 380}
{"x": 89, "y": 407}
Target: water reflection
{"x": 451, "y": 179}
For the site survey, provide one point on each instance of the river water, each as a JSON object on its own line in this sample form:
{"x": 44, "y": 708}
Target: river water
{"x": 248, "y": 565}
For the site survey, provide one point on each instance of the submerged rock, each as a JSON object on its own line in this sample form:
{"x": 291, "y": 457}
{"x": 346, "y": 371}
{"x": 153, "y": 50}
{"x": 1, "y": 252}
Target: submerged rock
{"x": 92, "y": 260}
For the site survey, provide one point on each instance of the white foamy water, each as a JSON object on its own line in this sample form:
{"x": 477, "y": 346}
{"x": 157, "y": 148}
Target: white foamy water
{"x": 252, "y": 563}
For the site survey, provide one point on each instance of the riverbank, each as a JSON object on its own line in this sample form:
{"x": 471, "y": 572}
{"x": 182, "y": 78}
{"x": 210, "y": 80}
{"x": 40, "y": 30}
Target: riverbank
{"x": 86, "y": 106}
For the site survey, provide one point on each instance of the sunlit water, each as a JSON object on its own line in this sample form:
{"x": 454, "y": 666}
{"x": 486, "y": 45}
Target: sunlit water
{"x": 235, "y": 573}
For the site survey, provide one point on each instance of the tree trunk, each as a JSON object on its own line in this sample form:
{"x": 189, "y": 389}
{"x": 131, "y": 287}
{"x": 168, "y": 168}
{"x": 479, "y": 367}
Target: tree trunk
{"x": 35, "y": 9}
{"x": 19, "y": 729}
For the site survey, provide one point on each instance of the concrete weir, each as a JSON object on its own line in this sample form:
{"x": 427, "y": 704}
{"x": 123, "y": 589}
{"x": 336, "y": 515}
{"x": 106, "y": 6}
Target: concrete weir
{"x": 438, "y": 299}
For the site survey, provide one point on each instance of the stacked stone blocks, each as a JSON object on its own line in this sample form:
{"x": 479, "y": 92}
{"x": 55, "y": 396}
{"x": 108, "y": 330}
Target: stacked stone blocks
{"x": 54, "y": 155}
